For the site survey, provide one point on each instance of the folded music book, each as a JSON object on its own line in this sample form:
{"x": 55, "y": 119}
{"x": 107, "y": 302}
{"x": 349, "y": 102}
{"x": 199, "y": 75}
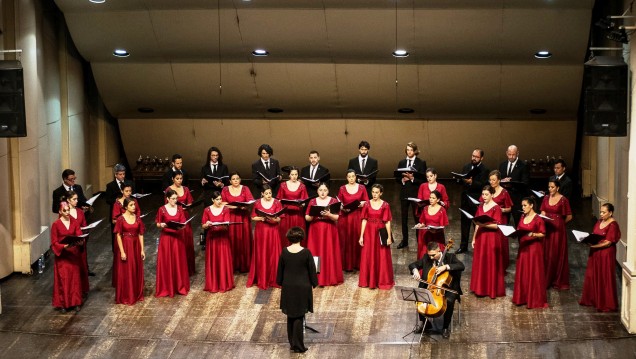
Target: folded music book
{"x": 585, "y": 237}
{"x": 268, "y": 180}
{"x": 361, "y": 176}
{"x": 222, "y": 223}
{"x": 466, "y": 175}
{"x": 73, "y": 240}
{"x": 177, "y": 225}
{"x": 352, "y": 205}
{"x": 140, "y": 195}
{"x": 420, "y": 202}
{"x": 322, "y": 178}
{"x": 296, "y": 202}
{"x": 314, "y": 211}
{"x": 241, "y": 204}
{"x": 216, "y": 178}
{"x": 474, "y": 201}
{"x": 262, "y": 213}
{"x": 430, "y": 227}
{"x": 513, "y": 185}
{"x": 481, "y": 219}
{"x": 193, "y": 204}
{"x": 145, "y": 214}
{"x": 398, "y": 173}
{"x": 538, "y": 194}
{"x": 92, "y": 199}
{"x": 317, "y": 264}
{"x": 510, "y": 231}
{"x": 384, "y": 236}
{"x": 92, "y": 225}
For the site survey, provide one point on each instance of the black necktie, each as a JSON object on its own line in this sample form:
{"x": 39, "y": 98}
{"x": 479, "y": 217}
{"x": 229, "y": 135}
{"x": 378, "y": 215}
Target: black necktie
{"x": 267, "y": 166}
{"x": 120, "y": 183}
{"x": 363, "y": 163}
{"x": 409, "y": 165}
{"x": 509, "y": 169}
{"x": 214, "y": 170}
{"x": 313, "y": 173}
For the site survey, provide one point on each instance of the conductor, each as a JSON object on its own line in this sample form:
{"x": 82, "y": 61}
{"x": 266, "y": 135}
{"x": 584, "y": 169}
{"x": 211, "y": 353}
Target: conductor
{"x": 450, "y": 263}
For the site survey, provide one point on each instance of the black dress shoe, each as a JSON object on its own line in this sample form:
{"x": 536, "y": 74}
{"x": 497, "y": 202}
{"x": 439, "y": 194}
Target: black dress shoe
{"x": 63, "y": 310}
{"x": 403, "y": 245}
{"x": 446, "y": 333}
{"x": 91, "y": 274}
{"x": 461, "y": 250}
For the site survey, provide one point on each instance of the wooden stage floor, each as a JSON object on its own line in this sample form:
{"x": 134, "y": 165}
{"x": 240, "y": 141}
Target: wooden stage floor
{"x": 246, "y": 322}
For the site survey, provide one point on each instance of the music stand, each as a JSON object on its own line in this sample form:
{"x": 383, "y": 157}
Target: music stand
{"x": 411, "y": 294}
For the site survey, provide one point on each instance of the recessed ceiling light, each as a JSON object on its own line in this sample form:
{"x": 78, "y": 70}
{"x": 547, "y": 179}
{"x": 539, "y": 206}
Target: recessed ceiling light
{"x": 543, "y": 54}
{"x": 260, "y": 52}
{"x": 400, "y": 53}
{"x": 97, "y": 1}
{"x": 406, "y": 110}
{"x": 275, "y": 110}
{"x": 538, "y": 111}
{"x": 121, "y": 53}
{"x": 146, "y": 110}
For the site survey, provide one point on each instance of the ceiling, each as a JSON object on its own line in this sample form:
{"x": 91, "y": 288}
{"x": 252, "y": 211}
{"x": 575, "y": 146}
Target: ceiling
{"x": 332, "y": 58}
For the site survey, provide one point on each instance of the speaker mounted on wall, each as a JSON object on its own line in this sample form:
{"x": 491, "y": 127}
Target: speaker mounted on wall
{"x": 605, "y": 101}
{"x": 12, "y": 116}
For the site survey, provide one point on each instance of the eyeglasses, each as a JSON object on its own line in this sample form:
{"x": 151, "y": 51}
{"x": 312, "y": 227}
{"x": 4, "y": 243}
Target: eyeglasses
{"x": 71, "y": 179}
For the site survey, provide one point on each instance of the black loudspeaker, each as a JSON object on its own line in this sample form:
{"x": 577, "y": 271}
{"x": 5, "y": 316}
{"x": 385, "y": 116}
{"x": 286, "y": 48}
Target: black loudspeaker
{"x": 605, "y": 97}
{"x": 12, "y": 118}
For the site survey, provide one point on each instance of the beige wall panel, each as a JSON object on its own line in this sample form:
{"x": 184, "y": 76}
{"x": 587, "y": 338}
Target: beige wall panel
{"x": 31, "y": 200}
{"x": 6, "y": 239}
{"x": 75, "y": 83}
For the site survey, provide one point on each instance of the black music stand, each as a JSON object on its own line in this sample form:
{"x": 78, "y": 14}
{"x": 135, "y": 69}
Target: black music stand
{"x": 411, "y": 294}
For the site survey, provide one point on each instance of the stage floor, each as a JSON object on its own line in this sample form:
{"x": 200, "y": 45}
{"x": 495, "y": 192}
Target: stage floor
{"x": 353, "y": 322}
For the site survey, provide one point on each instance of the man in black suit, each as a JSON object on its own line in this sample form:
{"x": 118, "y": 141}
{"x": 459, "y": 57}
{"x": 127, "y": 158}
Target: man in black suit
{"x": 113, "y": 189}
{"x": 451, "y": 264}
{"x": 68, "y": 184}
{"x": 410, "y": 184}
{"x": 176, "y": 164}
{"x": 515, "y": 170}
{"x": 215, "y": 167}
{"x": 266, "y": 170}
{"x": 314, "y": 172}
{"x": 477, "y": 178}
{"x": 363, "y": 164}
{"x": 566, "y": 186}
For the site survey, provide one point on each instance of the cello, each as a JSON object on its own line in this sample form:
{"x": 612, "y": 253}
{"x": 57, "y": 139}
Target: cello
{"x": 437, "y": 307}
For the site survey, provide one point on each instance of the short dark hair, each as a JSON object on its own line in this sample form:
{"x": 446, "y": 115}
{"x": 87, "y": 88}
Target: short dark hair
{"x": 126, "y": 185}
{"x": 437, "y": 194}
{"x": 481, "y": 152}
{"x": 609, "y": 206}
{"x": 266, "y": 187}
{"x": 170, "y": 192}
{"x": 416, "y": 151}
{"x": 488, "y": 188}
{"x": 175, "y": 173}
{"x": 215, "y": 194}
{"x": 295, "y": 234}
{"x": 176, "y": 156}
{"x": 364, "y": 143}
{"x": 561, "y": 161}
{"x": 495, "y": 173}
{"x": 531, "y": 201}
{"x": 556, "y": 182}
{"x": 378, "y": 186}
{"x": 127, "y": 202}
{"x": 314, "y": 151}
{"x": 67, "y": 172}
{"x": 431, "y": 170}
{"x": 267, "y": 149}
{"x": 432, "y": 245}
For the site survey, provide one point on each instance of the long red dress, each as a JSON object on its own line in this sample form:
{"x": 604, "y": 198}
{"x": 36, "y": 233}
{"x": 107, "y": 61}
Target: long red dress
{"x": 504, "y": 200}
{"x": 240, "y": 234}
{"x": 376, "y": 265}
{"x": 349, "y": 227}
{"x": 323, "y": 242}
{"x": 599, "y": 284}
{"x": 424, "y": 193}
{"x": 118, "y": 210}
{"x": 487, "y": 277}
{"x": 172, "y": 264}
{"x": 294, "y": 215}
{"x": 266, "y": 249}
{"x": 557, "y": 268}
{"x": 188, "y": 238}
{"x": 129, "y": 288}
{"x": 67, "y": 273}
{"x": 219, "y": 271}
{"x": 530, "y": 288}
{"x": 424, "y": 235}
{"x": 81, "y": 219}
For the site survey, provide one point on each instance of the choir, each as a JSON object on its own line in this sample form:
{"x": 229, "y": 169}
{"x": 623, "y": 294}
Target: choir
{"x": 344, "y": 232}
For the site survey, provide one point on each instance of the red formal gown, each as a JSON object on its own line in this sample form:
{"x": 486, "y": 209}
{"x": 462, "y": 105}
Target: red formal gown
{"x": 323, "y": 242}
{"x": 376, "y": 266}
{"x": 557, "y": 268}
{"x": 240, "y": 234}
{"x": 294, "y": 215}
{"x": 266, "y": 249}
{"x": 81, "y": 219}
{"x": 530, "y": 288}
{"x": 488, "y": 272}
{"x": 172, "y": 264}
{"x": 349, "y": 228}
{"x": 188, "y": 238}
{"x": 67, "y": 269}
{"x": 118, "y": 210}
{"x": 599, "y": 284}
{"x": 504, "y": 200}
{"x": 424, "y": 193}
{"x": 424, "y": 235}
{"x": 219, "y": 271}
{"x": 129, "y": 288}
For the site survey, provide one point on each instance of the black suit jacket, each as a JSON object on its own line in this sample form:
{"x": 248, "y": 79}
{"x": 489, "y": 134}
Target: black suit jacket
{"x": 410, "y": 188}
{"x": 113, "y": 192}
{"x": 370, "y": 166}
{"x": 456, "y": 268}
{"x": 60, "y": 192}
{"x": 320, "y": 171}
{"x": 274, "y": 172}
{"x": 209, "y": 187}
{"x": 520, "y": 173}
{"x": 566, "y": 186}
{"x": 166, "y": 180}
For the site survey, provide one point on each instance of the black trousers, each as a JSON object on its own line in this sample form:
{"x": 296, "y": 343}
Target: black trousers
{"x": 466, "y": 224}
{"x": 295, "y": 332}
{"x": 404, "y": 207}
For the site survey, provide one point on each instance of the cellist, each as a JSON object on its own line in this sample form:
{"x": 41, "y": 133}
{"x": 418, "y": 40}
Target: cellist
{"x": 449, "y": 263}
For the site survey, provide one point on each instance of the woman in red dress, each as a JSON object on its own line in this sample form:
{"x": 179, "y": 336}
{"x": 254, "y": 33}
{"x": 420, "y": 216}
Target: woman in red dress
{"x": 376, "y": 266}
{"x": 219, "y": 272}
{"x": 556, "y": 207}
{"x": 267, "y": 246}
{"x": 129, "y": 230}
{"x": 504, "y": 201}
{"x": 184, "y": 199}
{"x": 118, "y": 210}
{"x": 599, "y": 284}
{"x": 67, "y": 273}
{"x": 530, "y": 288}
{"x": 293, "y": 189}
{"x": 172, "y": 265}
{"x": 433, "y": 215}
{"x": 78, "y": 215}
{"x": 240, "y": 234}
{"x": 323, "y": 239}
{"x": 350, "y": 221}
{"x": 487, "y": 278}
{"x": 431, "y": 185}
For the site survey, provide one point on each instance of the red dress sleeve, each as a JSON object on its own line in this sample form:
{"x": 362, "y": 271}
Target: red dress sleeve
{"x": 497, "y": 214}
{"x": 423, "y": 215}
{"x": 56, "y": 237}
{"x": 303, "y": 191}
{"x": 119, "y": 225}
{"x": 247, "y": 194}
{"x": 137, "y": 208}
{"x": 386, "y": 212}
{"x": 444, "y": 221}
{"x": 565, "y": 208}
{"x": 613, "y": 232}
{"x": 116, "y": 211}
{"x": 159, "y": 216}
{"x": 142, "y": 227}
{"x": 507, "y": 200}
{"x": 544, "y": 203}
{"x": 420, "y": 191}
{"x": 365, "y": 196}
{"x": 225, "y": 192}
{"x": 365, "y": 211}
{"x": 442, "y": 191}
{"x": 188, "y": 196}
{"x": 258, "y": 205}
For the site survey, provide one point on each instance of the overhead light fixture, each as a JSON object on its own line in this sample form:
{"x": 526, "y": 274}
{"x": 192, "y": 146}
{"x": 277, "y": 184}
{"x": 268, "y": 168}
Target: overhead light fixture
{"x": 275, "y": 110}
{"x": 400, "y": 53}
{"x": 260, "y": 52}
{"x": 543, "y": 54}
{"x": 121, "y": 53}
{"x": 97, "y": 1}
{"x": 406, "y": 110}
